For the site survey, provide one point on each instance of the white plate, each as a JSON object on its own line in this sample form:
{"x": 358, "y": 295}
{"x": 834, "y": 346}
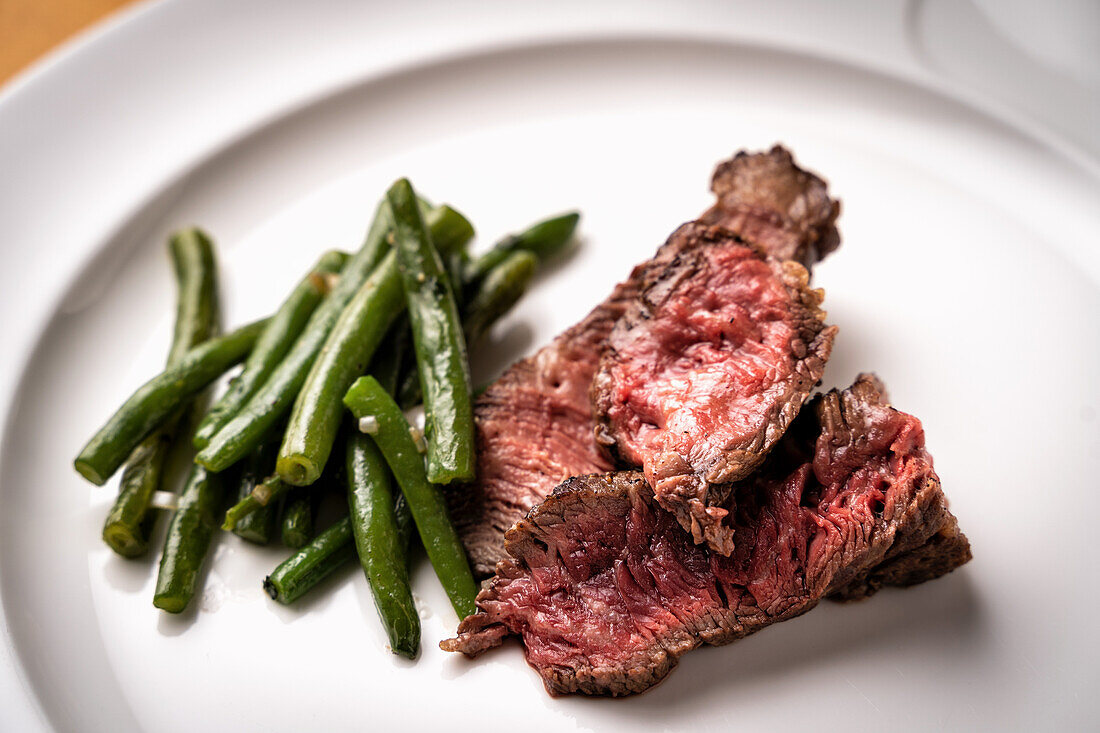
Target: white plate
{"x": 969, "y": 279}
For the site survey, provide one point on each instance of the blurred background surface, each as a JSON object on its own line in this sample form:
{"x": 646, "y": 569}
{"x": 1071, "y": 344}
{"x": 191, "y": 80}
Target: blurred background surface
{"x": 31, "y": 28}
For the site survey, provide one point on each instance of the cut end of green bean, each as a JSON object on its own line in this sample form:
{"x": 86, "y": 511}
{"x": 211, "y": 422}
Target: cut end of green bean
{"x": 307, "y": 567}
{"x": 297, "y": 470}
{"x": 171, "y": 603}
{"x": 85, "y": 469}
{"x": 124, "y": 541}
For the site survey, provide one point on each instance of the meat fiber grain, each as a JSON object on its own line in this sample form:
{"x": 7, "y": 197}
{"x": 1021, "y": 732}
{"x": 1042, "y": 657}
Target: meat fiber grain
{"x": 706, "y": 369}
{"x": 607, "y": 591}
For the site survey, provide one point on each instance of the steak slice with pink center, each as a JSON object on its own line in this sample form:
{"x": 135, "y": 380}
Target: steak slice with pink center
{"x": 607, "y": 591}
{"x": 706, "y": 369}
{"x": 534, "y": 425}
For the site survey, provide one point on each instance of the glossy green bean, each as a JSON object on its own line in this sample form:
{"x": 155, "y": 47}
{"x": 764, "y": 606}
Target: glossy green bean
{"x": 277, "y": 339}
{"x": 317, "y": 412}
{"x": 188, "y": 541}
{"x": 388, "y": 362}
{"x": 197, "y": 308}
{"x": 379, "y": 545}
{"x": 497, "y": 292}
{"x": 426, "y": 502}
{"x": 318, "y": 409}
{"x": 299, "y": 510}
{"x": 438, "y": 341}
{"x": 129, "y": 523}
{"x": 545, "y": 240}
{"x": 271, "y": 402}
{"x": 313, "y": 563}
{"x": 307, "y": 567}
{"x": 159, "y": 398}
{"x": 244, "y": 432}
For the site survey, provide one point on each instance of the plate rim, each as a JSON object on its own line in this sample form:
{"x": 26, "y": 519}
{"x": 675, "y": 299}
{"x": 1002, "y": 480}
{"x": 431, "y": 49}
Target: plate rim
{"x": 70, "y": 53}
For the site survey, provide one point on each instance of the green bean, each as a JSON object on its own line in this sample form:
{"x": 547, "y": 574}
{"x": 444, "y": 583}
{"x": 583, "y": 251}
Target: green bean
{"x": 403, "y": 518}
{"x": 271, "y": 402}
{"x": 307, "y": 567}
{"x": 318, "y": 410}
{"x": 197, "y": 309}
{"x": 189, "y": 535}
{"x": 438, "y": 341}
{"x": 310, "y": 565}
{"x": 388, "y": 362}
{"x": 266, "y": 494}
{"x": 545, "y": 240}
{"x": 277, "y": 339}
{"x": 129, "y": 522}
{"x": 497, "y": 292}
{"x": 408, "y": 388}
{"x": 159, "y": 398}
{"x": 257, "y": 526}
{"x": 494, "y": 296}
{"x": 298, "y": 513}
{"x": 379, "y": 544}
{"x": 456, "y": 265}
{"x": 429, "y": 510}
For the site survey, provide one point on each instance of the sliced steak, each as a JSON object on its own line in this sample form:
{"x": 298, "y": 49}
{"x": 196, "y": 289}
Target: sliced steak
{"x": 767, "y": 199}
{"x": 607, "y": 591}
{"x": 534, "y": 428}
{"x": 706, "y": 369}
{"x": 534, "y": 424}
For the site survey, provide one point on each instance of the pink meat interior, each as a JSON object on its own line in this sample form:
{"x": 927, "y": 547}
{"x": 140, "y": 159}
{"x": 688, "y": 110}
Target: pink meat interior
{"x": 697, "y": 378}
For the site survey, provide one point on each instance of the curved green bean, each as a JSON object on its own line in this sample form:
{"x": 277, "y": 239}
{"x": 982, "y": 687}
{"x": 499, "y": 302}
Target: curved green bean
{"x": 379, "y": 544}
{"x": 159, "y": 398}
{"x": 129, "y": 523}
{"x": 197, "y": 309}
{"x": 277, "y": 339}
{"x": 438, "y": 340}
{"x": 426, "y": 502}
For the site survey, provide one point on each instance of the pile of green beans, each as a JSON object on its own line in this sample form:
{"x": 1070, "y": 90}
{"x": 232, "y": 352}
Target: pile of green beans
{"x": 360, "y": 334}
